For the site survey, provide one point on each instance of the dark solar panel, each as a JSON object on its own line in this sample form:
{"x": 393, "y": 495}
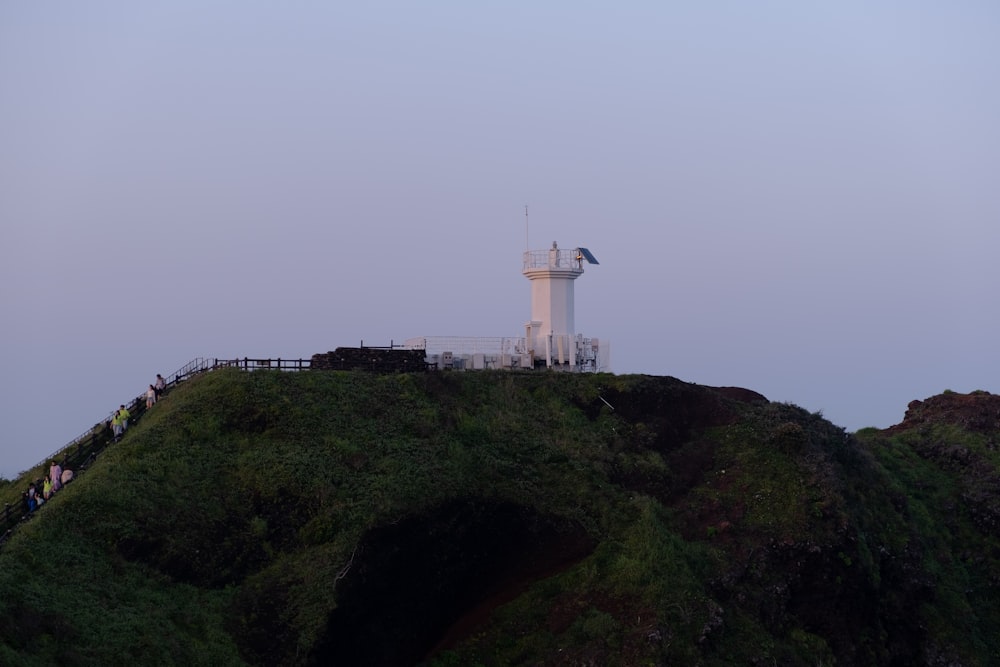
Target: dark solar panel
{"x": 587, "y": 255}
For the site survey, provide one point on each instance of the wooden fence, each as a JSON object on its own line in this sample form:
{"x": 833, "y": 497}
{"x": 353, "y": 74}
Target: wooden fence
{"x": 84, "y": 449}
{"x": 264, "y": 364}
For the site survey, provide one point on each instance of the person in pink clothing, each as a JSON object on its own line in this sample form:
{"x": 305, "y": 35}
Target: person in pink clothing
{"x": 55, "y": 474}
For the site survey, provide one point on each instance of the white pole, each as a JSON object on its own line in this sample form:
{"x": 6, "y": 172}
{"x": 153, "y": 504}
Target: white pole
{"x": 527, "y": 245}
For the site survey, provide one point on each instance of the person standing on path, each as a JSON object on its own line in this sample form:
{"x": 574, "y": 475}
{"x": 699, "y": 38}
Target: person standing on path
{"x": 55, "y": 474}
{"x": 150, "y": 396}
{"x": 116, "y": 424}
{"x": 159, "y": 385}
{"x": 123, "y": 415}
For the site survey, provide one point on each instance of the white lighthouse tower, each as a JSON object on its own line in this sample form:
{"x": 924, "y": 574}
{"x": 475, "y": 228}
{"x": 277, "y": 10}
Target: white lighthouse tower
{"x": 550, "y": 334}
{"x": 550, "y": 340}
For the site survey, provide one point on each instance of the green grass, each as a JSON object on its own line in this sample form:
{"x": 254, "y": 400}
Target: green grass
{"x": 225, "y": 526}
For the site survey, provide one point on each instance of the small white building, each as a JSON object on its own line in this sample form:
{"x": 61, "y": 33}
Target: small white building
{"x": 550, "y": 338}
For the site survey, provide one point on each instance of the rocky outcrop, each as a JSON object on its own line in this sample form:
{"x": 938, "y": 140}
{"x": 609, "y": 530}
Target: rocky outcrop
{"x": 374, "y": 359}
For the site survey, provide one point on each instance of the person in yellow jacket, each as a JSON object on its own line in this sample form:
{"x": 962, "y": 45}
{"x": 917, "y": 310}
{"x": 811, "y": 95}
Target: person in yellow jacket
{"x": 116, "y": 424}
{"x": 124, "y": 414}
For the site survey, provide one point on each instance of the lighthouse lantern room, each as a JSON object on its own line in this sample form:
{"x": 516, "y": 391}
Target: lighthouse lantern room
{"x": 550, "y": 334}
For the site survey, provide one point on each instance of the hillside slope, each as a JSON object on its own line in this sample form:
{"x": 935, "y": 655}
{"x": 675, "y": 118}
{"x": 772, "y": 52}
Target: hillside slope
{"x": 502, "y": 518}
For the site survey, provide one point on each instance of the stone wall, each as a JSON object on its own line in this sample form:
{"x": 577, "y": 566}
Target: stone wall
{"x": 374, "y": 359}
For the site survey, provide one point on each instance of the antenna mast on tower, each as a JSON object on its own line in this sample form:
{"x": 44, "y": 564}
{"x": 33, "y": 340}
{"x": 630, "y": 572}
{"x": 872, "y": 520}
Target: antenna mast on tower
{"x": 526, "y": 245}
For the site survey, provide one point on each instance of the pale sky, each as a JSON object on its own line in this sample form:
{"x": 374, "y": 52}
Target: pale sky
{"x": 796, "y": 198}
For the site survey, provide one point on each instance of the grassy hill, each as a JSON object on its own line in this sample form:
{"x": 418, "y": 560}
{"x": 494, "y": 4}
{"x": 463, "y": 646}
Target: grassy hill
{"x": 500, "y": 518}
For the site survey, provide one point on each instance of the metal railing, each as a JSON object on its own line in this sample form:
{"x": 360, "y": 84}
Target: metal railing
{"x": 554, "y": 258}
{"x": 83, "y": 449}
{"x": 279, "y": 364}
